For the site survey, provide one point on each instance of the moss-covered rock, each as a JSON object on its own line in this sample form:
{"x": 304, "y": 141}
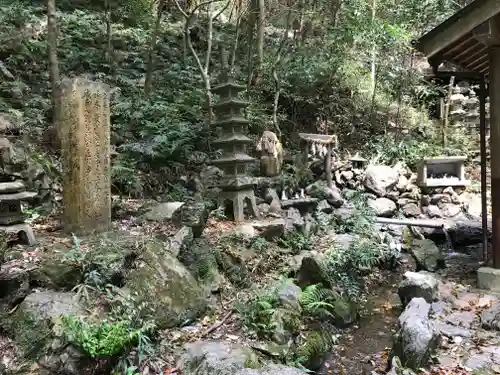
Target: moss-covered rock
{"x": 31, "y": 325}
{"x": 311, "y": 352}
{"x": 345, "y": 312}
{"x": 218, "y": 357}
{"x": 56, "y": 273}
{"x": 170, "y": 290}
{"x": 201, "y": 260}
{"x": 108, "y": 256}
{"x": 36, "y": 327}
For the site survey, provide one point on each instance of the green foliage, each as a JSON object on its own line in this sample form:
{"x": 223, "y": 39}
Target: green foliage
{"x": 346, "y": 265}
{"x": 257, "y": 314}
{"x": 100, "y": 339}
{"x": 361, "y": 218}
{"x": 296, "y": 241}
{"x": 318, "y": 301}
{"x": 259, "y": 244}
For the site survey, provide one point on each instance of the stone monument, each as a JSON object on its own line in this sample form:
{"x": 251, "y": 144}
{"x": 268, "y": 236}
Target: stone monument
{"x": 84, "y": 124}
{"x": 236, "y": 186}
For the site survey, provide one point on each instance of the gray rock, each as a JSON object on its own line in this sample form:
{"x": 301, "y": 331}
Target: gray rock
{"x": 270, "y": 195}
{"x": 450, "y": 209}
{"x": 397, "y": 368}
{"x": 312, "y": 271}
{"x": 434, "y": 211}
{"x": 380, "y": 179}
{"x": 465, "y": 232}
{"x": 289, "y": 296}
{"x": 31, "y": 328}
{"x": 324, "y": 206}
{"x": 439, "y": 198}
{"x": 171, "y": 291}
{"x": 463, "y": 319}
{"x": 343, "y": 240}
{"x": 264, "y": 208}
{"x": 402, "y": 184}
{"x": 181, "y": 239}
{"x": 321, "y": 191}
{"x": 418, "y": 285}
{"x": 192, "y": 214}
{"x": 411, "y": 210}
{"x": 490, "y": 318}
{"x": 218, "y": 357}
{"x": 269, "y": 229}
{"x": 383, "y": 207}
{"x": 293, "y": 219}
{"x": 427, "y": 255}
{"x": 417, "y": 337}
{"x": 162, "y": 211}
{"x": 452, "y": 331}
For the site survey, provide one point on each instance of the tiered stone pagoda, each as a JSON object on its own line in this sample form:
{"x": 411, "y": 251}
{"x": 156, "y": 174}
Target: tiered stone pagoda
{"x": 12, "y": 219}
{"x": 236, "y": 186}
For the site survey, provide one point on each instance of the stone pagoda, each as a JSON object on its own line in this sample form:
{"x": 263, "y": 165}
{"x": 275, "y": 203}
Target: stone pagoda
{"x": 236, "y": 186}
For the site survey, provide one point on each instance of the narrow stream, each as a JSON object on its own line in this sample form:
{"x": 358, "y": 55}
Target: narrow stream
{"x": 363, "y": 344}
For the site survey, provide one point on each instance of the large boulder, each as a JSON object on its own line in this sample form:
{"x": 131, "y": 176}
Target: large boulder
{"x": 380, "y": 179}
{"x": 417, "y": 337}
{"x": 170, "y": 290}
{"x": 36, "y": 328}
{"x": 219, "y": 357}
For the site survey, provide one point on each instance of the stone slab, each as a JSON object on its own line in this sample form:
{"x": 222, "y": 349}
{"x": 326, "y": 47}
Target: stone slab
{"x": 488, "y": 279}
{"x": 25, "y": 195}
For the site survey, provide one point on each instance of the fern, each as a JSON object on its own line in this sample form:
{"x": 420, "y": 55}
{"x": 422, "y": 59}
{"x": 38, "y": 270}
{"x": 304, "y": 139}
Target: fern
{"x": 318, "y": 301}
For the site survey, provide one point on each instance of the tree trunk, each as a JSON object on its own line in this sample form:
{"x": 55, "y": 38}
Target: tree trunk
{"x": 152, "y": 48}
{"x": 109, "y": 45}
{"x": 260, "y": 39}
{"x": 53, "y": 63}
{"x": 250, "y": 32}
{"x": 446, "y": 115}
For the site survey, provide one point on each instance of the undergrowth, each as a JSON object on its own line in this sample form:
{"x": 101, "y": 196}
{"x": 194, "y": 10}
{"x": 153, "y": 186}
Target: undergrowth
{"x": 121, "y": 332}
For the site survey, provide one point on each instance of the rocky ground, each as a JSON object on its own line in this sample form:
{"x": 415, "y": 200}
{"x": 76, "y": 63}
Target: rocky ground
{"x": 312, "y": 284}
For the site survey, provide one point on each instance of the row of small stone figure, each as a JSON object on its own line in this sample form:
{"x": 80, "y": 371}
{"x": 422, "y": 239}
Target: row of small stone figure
{"x": 318, "y": 149}
{"x": 297, "y": 195}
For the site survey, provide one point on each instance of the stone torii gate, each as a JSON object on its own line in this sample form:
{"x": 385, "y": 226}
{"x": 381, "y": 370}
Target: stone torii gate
{"x": 470, "y": 39}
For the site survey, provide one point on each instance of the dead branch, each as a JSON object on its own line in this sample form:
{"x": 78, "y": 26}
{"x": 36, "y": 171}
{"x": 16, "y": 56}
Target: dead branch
{"x": 216, "y": 325}
{"x": 236, "y": 40}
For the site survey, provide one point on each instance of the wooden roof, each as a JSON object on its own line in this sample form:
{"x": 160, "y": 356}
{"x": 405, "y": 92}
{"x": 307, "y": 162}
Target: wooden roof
{"x": 462, "y": 38}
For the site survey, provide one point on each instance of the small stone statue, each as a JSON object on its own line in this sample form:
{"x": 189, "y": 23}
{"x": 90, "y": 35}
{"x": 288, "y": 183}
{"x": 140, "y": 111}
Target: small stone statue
{"x": 271, "y": 150}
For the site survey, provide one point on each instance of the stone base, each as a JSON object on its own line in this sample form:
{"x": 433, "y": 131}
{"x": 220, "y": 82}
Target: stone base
{"x": 488, "y": 278}
{"x": 238, "y": 199}
{"x": 24, "y": 231}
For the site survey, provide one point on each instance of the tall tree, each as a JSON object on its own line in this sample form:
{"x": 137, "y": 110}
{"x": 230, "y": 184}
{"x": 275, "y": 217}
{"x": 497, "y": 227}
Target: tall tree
{"x": 152, "y": 47}
{"x": 53, "y": 61}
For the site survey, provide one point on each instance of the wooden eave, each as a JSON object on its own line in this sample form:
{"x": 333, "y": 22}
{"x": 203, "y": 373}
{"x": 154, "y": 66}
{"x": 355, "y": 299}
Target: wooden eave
{"x": 456, "y": 39}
